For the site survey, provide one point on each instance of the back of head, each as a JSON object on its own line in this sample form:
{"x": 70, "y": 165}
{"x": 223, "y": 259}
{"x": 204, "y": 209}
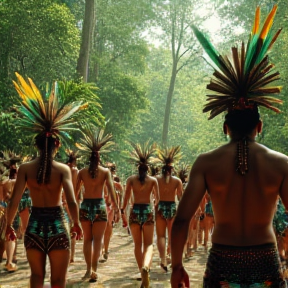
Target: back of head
{"x": 47, "y": 144}
{"x": 242, "y": 122}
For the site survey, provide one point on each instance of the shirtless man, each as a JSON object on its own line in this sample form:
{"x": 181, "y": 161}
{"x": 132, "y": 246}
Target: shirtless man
{"x": 169, "y": 187}
{"x": 243, "y": 179}
{"x": 141, "y": 219}
{"x": 93, "y": 215}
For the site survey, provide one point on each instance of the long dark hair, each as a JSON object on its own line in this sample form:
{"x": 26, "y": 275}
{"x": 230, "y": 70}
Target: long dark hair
{"x": 142, "y": 172}
{"x": 46, "y": 143}
{"x": 93, "y": 164}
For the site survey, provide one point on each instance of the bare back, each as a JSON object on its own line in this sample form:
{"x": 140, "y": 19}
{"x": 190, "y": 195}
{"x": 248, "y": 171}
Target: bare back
{"x": 141, "y": 192}
{"x": 94, "y": 188}
{"x": 244, "y": 205}
{"x": 45, "y": 195}
{"x": 168, "y": 191}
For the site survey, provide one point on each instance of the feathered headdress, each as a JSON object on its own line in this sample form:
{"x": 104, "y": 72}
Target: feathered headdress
{"x": 182, "y": 171}
{"x": 9, "y": 158}
{"x": 94, "y": 140}
{"x": 168, "y": 156}
{"x": 93, "y": 143}
{"x": 42, "y": 116}
{"x": 142, "y": 154}
{"x": 243, "y": 82}
{"x": 48, "y": 120}
{"x": 72, "y": 155}
{"x": 4, "y": 173}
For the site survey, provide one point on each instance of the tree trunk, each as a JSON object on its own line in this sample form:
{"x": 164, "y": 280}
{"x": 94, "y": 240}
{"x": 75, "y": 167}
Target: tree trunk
{"x": 168, "y": 104}
{"x": 87, "y": 32}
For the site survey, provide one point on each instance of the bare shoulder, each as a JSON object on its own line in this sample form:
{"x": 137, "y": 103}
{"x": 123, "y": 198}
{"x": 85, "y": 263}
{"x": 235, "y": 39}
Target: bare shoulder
{"x": 63, "y": 168}
{"x": 176, "y": 179}
{"x": 151, "y": 179}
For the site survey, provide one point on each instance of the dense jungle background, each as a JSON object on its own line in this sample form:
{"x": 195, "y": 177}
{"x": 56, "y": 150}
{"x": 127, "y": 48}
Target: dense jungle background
{"x": 138, "y": 65}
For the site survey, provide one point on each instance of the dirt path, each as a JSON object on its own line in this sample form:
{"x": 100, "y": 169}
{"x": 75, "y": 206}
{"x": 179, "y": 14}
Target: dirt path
{"x": 119, "y": 271}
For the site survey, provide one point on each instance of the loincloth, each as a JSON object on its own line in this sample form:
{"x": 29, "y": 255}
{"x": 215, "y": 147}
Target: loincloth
{"x": 243, "y": 267}
{"x": 47, "y": 230}
{"x": 93, "y": 210}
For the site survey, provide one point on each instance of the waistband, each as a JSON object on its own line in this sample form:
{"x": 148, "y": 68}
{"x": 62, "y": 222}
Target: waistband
{"x": 266, "y": 246}
{"x": 167, "y": 202}
{"x": 141, "y": 206}
{"x": 47, "y": 211}
{"x": 94, "y": 200}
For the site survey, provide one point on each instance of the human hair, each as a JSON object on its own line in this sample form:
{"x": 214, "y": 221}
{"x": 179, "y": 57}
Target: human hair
{"x": 242, "y": 122}
{"x": 116, "y": 179}
{"x": 142, "y": 171}
{"x": 12, "y": 170}
{"x": 93, "y": 164}
{"x": 46, "y": 143}
{"x": 166, "y": 169}
{"x": 71, "y": 159}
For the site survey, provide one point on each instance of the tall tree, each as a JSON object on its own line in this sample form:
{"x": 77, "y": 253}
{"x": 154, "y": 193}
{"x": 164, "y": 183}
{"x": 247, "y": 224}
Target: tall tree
{"x": 87, "y": 33}
{"x": 175, "y": 18}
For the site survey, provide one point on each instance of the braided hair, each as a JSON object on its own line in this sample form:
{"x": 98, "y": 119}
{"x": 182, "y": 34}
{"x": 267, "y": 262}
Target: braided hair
{"x": 93, "y": 164}
{"x": 46, "y": 143}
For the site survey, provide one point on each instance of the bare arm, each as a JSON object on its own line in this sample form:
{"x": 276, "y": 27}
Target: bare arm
{"x": 111, "y": 191}
{"x": 18, "y": 190}
{"x": 179, "y": 190}
{"x": 284, "y": 188}
{"x": 188, "y": 205}
{"x": 69, "y": 195}
{"x": 127, "y": 195}
{"x": 79, "y": 183}
{"x": 156, "y": 192}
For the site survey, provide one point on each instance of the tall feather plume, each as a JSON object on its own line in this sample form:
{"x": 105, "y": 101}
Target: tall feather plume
{"x": 245, "y": 80}
{"x": 168, "y": 156}
{"x": 182, "y": 170}
{"x": 142, "y": 153}
{"x": 9, "y": 158}
{"x": 40, "y": 116}
{"x": 94, "y": 140}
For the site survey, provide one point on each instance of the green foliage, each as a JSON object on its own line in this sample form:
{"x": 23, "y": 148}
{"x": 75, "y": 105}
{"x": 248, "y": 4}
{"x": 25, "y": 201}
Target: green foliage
{"x": 38, "y": 38}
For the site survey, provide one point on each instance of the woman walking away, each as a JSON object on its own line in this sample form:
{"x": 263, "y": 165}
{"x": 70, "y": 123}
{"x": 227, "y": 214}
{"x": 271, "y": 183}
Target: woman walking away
{"x": 47, "y": 232}
{"x": 141, "y": 219}
{"x": 93, "y": 214}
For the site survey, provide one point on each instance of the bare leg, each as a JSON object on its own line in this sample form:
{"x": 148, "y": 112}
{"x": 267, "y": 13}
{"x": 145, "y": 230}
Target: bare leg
{"x": 24, "y": 215}
{"x": 108, "y": 232}
{"x": 136, "y": 233}
{"x": 169, "y": 227}
{"x": 148, "y": 230}
{"x": 87, "y": 245}
{"x": 73, "y": 245}
{"x": 98, "y": 229}
{"x": 161, "y": 225}
{"x": 10, "y": 248}
{"x": 37, "y": 262}
{"x": 59, "y": 260}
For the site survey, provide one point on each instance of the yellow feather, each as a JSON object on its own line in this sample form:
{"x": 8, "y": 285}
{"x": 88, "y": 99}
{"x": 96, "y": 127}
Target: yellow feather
{"x": 256, "y": 21}
{"x": 19, "y": 91}
{"x": 268, "y": 23}
{"x": 25, "y": 87}
{"x": 35, "y": 90}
